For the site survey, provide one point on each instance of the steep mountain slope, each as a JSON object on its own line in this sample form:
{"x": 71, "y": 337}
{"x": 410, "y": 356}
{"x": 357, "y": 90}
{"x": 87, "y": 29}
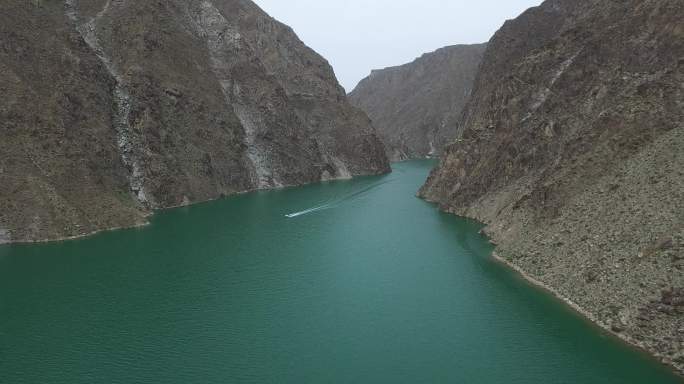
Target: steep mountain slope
{"x": 570, "y": 149}
{"x": 413, "y": 106}
{"x": 115, "y": 108}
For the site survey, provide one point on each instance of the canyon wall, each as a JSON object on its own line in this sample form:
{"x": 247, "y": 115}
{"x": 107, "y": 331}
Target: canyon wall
{"x": 415, "y": 106}
{"x": 571, "y": 151}
{"x": 114, "y": 108}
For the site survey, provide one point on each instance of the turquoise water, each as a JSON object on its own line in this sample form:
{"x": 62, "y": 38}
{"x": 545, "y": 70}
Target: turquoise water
{"x": 364, "y": 283}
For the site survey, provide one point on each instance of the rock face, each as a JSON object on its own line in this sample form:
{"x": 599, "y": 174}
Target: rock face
{"x": 570, "y": 149}
{"x": 415, "y": 106}
{"x": 112, "y": 109}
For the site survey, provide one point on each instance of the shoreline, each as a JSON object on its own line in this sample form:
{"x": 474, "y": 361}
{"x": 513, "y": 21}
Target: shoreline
{"x": 74, "y": 237}
{"x": 629, "y": 341}
{"x": 153, "y": 212}
{"x": 621, "y": 337}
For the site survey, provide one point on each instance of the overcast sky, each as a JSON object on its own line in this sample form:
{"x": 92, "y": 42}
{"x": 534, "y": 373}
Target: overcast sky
{"x": 359, "y": 35}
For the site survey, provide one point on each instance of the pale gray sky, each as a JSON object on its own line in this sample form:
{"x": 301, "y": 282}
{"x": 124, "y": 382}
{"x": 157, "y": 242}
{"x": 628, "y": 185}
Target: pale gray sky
{"x": 359, "y": 35}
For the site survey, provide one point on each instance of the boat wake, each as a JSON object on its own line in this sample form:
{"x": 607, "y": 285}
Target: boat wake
{"x": 337, "y": 201}
{"x": 307, "y": 211}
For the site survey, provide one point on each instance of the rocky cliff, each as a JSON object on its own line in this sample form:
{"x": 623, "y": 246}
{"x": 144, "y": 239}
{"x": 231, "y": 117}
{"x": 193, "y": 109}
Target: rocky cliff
{"x": 113, "y": 108}
{"x": 571, "y": 150}
{"x": 414, "y": 106}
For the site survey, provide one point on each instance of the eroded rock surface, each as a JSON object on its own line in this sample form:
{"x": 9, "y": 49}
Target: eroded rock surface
{"x": 415, "y": 106}
{"x": 112, "y": 109}
{"x": 570, "y": 149}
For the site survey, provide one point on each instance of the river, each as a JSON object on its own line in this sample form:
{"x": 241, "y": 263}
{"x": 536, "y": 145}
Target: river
{"x": 342, "y": 282}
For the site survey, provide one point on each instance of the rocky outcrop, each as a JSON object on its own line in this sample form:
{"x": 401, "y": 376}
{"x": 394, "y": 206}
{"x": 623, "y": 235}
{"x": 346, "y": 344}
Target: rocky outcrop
{"x": 570, "y": 149}
{"x": 112, "y": 109}
{"x": 415, "y": 106}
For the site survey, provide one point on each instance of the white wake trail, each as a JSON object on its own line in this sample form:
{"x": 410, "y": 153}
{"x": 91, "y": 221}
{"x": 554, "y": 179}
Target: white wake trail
{"x": 332, "y": 203}
{"x": 307, "y": 211}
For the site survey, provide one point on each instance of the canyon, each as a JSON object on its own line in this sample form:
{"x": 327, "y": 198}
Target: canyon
{"x": 563, "y": 135}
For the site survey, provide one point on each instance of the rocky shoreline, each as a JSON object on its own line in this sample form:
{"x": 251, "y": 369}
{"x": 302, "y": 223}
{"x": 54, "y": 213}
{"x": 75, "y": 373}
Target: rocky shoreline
{"x": 68, "y": 238}
{"x": 656, "y": 320}
{"x": 9, "y": 241}
{"x": 588, "y": 315}
{"x": 609, "y": 328}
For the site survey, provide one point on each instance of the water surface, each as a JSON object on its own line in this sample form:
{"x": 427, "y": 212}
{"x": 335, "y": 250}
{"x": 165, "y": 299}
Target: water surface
{"x": 362, "y": 283}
